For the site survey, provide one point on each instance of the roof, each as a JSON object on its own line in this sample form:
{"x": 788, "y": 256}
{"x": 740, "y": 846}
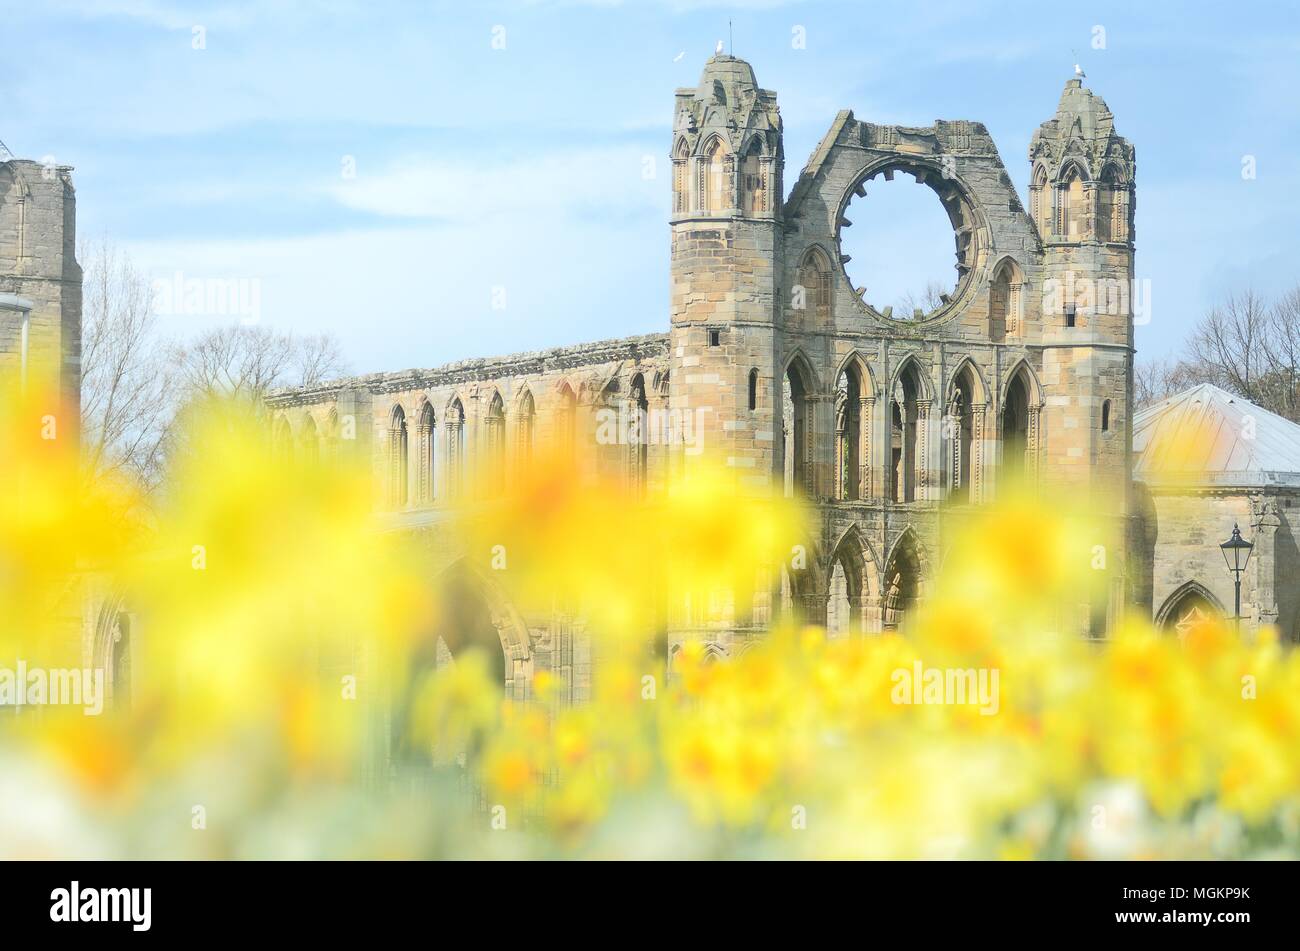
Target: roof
{"x": 1208, "y": 436}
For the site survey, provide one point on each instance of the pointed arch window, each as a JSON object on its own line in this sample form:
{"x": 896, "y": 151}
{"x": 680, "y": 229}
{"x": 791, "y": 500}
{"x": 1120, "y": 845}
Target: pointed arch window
{"x": 902, "y": 587}
{"x": 796, "y": 416}
{"x": 1071, "y": 220}
{"x": 638, "y": 433}
{"x": 566, "y": 424}
{"x": 1037, "y": 200}
{"x": 753, "y": 389}
{"x": 811, "y": 299}
{"x": 494, "y": 431}
{"x": 426, "y": 433}
{"x": 715, "y": 173}
{"x": 753, "y": 179}
{"x": 397, "y": 458}
{"x": 906, "y": 436}
{"x": 1112, "y": 206}
{"x": 1017, "y": 445}
{"x": 852, "y": 434}
{"x": 526, "y": 427}
{"x": 1005, "y": 297}
{"x": 455, "y": 431}
{"x": 309, "y": 439}
{"x": 965, "y": 412}
{"x": 681, "y": 180}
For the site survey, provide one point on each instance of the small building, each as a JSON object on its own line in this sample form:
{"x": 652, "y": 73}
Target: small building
{"x": 1204, "y": 462}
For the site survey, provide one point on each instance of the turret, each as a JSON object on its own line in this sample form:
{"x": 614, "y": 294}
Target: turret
{"x": 727, "y": 162}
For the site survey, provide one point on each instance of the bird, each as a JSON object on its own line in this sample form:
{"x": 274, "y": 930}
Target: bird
{"x": 718, "y": 51}
{"x": 678, "y": 57}
{"x": 1079, "y": 73}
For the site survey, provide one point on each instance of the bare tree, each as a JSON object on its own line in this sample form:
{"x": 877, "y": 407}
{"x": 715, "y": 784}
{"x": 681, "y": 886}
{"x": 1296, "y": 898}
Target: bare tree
{"x": 1250, "y": 347}
{"x": 125, "y": 393}
{"x": 318, "y": 359}
{"x": 929, "y": 299}
{"x": 248, "y": 362}
{"x": 1155, "y": 380}
{"x": 1228, "y": 345}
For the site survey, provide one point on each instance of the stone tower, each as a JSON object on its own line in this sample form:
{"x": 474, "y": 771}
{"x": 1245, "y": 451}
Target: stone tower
{"x": 1081, "y": 198}
{"x": 726, "y": 231}
{"x": 40, "y": 279}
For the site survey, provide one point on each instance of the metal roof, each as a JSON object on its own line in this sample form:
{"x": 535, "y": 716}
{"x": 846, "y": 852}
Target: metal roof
{"x": 1207, "y": 436}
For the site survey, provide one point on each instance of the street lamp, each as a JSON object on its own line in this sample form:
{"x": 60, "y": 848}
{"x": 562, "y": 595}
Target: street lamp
{"x": 1236, "y": 552}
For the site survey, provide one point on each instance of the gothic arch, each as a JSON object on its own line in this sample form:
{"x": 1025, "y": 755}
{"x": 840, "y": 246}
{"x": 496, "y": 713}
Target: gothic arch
{"x": 1006, "y": 299}
{"x": 398, "y": 457}
{"x": 799, "y": 388}
{"x": 525, "y": 425}
{"x": 456, "y": 450}
{"x": 309, "y": 439}
{"x": 965, "y": 409}
{"x": 1020, "y": 442}
{"x": 111, "y": 648}
{"x": 282, "y": 438}
{"x": 1113, "y": 172}
{"x": 755, "y": 138}
{"x": 815, "y": 275}
{"x": 1186, "y": 596}
{"x": 911, "y": 363}
{"x": 797, "y": 362}
{"x": 706, "y": 144}
{"x": 855, "y": 401}
{"x": 477, "y": 613}
{"x": 1022, "y": 366}
{"x": 903, "y": 578}
{"x": 856, "y": 361}
{"x": 805, "y": 587}
{"x": 856, "y": 609}
{"x": 967, "y": 365}
{"x": 1073, "y": 164}
{"x": 426, "y": 439}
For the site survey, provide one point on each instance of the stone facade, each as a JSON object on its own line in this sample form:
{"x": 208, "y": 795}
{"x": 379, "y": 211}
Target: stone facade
{"x": 40, "y": 280}
{"x": 775, "y": 364}
{"x": 1207, "y": 461}
{"x": 779, "y": 367}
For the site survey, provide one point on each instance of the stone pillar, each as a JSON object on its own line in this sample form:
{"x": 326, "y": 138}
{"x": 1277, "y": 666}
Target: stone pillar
{"x": 866, "y": 408}
{"x": 1264, "y": 562}
{"x": 977, "y": 453}
{"x": 814, "y": 608}
{"x": 1031, "y": 446}
{"x": 872, "y": 613}
{"x": 922, "y": 450}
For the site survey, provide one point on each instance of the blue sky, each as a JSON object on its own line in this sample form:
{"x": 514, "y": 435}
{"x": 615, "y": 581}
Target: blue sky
{"x": 525, "y": 168}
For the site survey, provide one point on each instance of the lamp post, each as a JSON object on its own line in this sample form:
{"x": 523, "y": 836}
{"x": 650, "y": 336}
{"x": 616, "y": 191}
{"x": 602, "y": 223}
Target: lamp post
{"x": 1236, "y": 552}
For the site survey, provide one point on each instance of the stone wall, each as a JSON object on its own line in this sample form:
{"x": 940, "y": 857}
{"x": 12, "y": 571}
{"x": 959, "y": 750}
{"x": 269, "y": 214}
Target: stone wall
{"x": 39, "y": 274}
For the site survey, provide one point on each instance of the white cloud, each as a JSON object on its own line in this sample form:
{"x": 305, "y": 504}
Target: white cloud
{"x": 610, "y": 180}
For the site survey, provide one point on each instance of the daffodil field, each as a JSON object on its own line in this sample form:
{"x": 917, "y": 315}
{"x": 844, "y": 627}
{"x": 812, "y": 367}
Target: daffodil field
{"x": 286, "y": 631}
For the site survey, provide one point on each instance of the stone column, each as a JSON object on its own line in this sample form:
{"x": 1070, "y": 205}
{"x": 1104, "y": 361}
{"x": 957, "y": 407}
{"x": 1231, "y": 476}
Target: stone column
{"x": 1031, "y": 447}
{"x": 814, "y": 608}
{"x": 866, "y": 407}
{"x": 922, "y": 450}
{"x": 1264, "y": 562}
{"x": 872, "y": 612}
{"x": 839, "y": 483}
{"x": 977, "y": 453}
